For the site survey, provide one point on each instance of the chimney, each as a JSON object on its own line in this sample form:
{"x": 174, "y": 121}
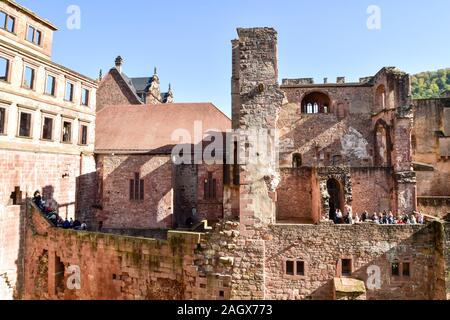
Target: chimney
{"x": 340, "y": 80}
{"x": 119, "y": 63}
{"x": 325, "y": 80}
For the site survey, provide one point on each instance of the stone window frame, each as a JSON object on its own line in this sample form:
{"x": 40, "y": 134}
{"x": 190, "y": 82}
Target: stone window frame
{"x": 10, "y": 60}
{"x": 35, "y": 31}
{"x": 35, "y": 68}
{"x": 295, "y": 276}
{"x": 50, "y": 116}
{"x": 88, "y": 105}
{"x": 31, "y": 112}
{"x": 5, "y": 124}
{"x": 72, "y": 126}
{"x": 339, "y": 273}
{"x": 73, "y": 83}
{"x": 401, "y": 261}
{"x": 7, "y": 18}
{"x": 54, "y": 75}
{"x": 82, "y": 124}
{"x": 210, "y": 187}
{"x": 137, "y": 188}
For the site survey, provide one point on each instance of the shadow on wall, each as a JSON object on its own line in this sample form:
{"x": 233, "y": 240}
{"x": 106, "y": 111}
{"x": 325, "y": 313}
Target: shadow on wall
{"x": 147, "y": 204}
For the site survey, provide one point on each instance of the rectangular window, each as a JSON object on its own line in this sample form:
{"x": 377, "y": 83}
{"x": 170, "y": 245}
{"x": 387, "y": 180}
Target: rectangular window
{"x": 85, "y": 97}
{"x": 47, "y": 129}
{"x": 25, "y": 125}
{"x": 30, "y": 34}
{"x": 69, "y": 91}
{"x": 300, "y": 268}
{"x": 2, "y": 120}
{"x": 50, "y": 88}
{"x": 67, "y": 132}
{"x": 406, "y": 269}
{"x": 29, "y": 77}
{"x": 34, "y": 35}
{"x": 346, "y": 267}
{"x": 136, "y": 188}
{"x": 210, "y": 187}
{"x": 290, "y": 268}
{"x": 7, "y": 22}
{"x": 84, "y": 135}
{"x": 4, "y": 69}
{"x": 395, "y": 269}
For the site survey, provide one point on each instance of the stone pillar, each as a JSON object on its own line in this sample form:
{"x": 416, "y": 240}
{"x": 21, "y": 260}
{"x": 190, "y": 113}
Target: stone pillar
{"x": 405, "y": 177}
{"x": 255, "y": 113}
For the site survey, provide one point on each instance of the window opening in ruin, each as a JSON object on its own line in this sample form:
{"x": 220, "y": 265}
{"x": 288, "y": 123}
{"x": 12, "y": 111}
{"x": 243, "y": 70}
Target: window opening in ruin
{"x": 210, "y": 187}
{"x": 300, "y": 268}
{"x": 395, "y": 269}
{"x": 290, "y": 268}
{"x": 315, "y": 102}
{"x": 336, "y": 197}
{"x": 297, "y": 161}
{"x": 406, "y": 269}
{"x": 59, "y": 275}
{"x": 346, "y": 267}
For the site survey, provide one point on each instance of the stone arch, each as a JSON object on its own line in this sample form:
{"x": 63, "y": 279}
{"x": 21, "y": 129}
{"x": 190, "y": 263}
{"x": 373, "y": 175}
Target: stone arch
{"x": 336, "y": 196}
{"x": 383, "y": 145}
{"x": 316, "y": 102}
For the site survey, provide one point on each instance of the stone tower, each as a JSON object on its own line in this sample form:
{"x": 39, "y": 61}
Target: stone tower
{"x": 257, "y": 100}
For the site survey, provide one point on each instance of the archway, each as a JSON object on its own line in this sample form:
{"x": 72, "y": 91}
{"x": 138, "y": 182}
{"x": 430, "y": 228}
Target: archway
{"x": 316, "y": 102}
{"x": 336, "y": 197}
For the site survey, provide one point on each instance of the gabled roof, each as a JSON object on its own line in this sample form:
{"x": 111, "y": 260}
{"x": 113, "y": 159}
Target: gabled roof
{"x": 149, "y": 128}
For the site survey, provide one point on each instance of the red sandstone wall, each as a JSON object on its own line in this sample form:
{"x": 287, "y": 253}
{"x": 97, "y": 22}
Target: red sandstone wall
{"x": 294, "y": 196}
{"x": 322, "y": 247}
{"x": 211, "y": 209}
{"x": 119, "y": 212}
{"x": 11, "y": 227}
{"x": 372, "y": 189}
{"x": 113, "y": 91}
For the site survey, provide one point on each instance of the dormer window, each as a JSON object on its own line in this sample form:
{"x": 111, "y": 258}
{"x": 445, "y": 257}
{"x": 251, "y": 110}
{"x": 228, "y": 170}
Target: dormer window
{"x": 7, "y": 22}
{"x": 34, "y": 35}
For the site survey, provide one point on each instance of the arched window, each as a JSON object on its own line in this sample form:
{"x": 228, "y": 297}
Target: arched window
{"x": 380, "y": 97}
{"x": 316, "y": 102}
{"x": 382, "y": 144}
{"x": 297, "y": 160}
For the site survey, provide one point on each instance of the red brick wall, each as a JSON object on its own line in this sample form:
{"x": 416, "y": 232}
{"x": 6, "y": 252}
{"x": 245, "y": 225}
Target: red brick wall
{"x": 119, "y": 212}
{"x": 294, "y": 196}
{"x": 372, "y": 190}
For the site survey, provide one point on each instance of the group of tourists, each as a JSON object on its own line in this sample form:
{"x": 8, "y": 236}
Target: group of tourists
{"x": 385, "y": 218}
{"x": 52, "y": 215}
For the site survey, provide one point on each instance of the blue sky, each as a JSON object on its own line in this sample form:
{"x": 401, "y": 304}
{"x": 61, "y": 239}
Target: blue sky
{"x": 189, "y": 40}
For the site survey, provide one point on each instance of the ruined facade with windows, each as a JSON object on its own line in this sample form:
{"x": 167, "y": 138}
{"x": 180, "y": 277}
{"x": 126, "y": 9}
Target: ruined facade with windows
{"x": 264, "y": 229}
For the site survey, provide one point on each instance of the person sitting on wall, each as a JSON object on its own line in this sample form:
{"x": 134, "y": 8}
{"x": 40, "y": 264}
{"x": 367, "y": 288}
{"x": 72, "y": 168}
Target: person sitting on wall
{"x": 413, "y": 219}
{"x": 376, "y": 218}
{"x": 420, "y": 218}
{"x": 83, "y": 226}
{"x": 37, "y": 199}
{"x": 364, "y": 216}
{"x": 76, "y": 225}
{"x": 71, "y": 223}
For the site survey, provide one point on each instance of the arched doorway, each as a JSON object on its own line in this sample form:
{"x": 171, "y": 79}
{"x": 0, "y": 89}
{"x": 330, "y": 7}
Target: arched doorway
{"x": 336, "y": 197}
{"x": 316, "y": 102}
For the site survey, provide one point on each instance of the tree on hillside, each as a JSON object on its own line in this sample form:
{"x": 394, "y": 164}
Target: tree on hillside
{"x": 430, "y": 84}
